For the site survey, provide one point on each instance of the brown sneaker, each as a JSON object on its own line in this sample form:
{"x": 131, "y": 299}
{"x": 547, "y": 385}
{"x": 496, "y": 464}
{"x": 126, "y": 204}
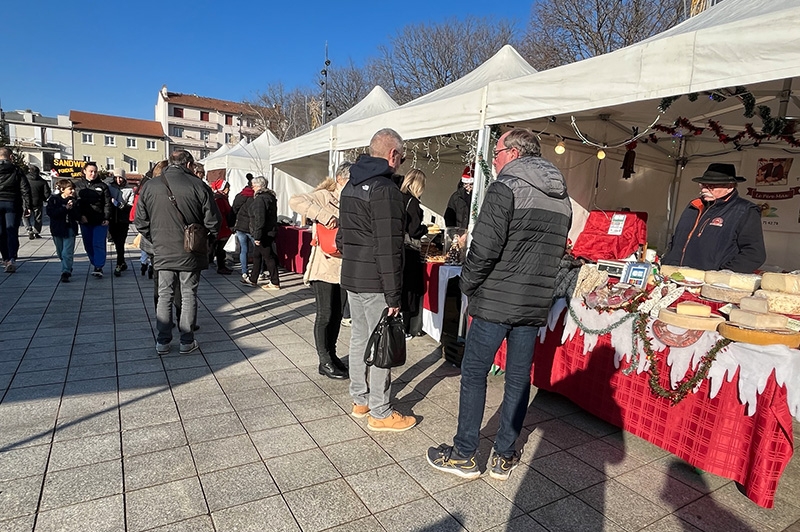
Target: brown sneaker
{"x": 359, "y": 411}
{"x": 397, "y": 422}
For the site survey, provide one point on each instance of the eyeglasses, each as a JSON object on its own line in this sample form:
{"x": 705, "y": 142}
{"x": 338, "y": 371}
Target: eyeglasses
{"x": 497, "y": 152}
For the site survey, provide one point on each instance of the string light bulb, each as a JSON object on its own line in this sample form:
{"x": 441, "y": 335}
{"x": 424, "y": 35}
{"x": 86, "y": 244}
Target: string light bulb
{"x": 601, "y": 154}
{"x": 560, "y": 148}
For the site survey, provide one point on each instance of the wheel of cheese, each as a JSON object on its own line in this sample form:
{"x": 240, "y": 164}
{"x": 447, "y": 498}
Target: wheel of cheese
{"x": 749, "y": 336}
{"x": 723, "y": 293}
{"x": 670, "y": 317}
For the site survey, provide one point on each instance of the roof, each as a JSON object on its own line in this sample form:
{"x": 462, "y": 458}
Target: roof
{"x": 18, "y": 116}
{"x": 115, "y": 124}
{"x": 212, "y": 104}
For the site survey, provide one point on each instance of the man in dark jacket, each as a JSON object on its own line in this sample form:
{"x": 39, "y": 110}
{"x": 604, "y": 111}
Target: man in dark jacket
{"x": 509, "y": 276}
{"x": 40, "y": 193}
{"x": 15, "y": 201}
{"x": 719, "y": 230}
{"x": 372, "y": 222}
{"x": 94, "y": 204}
{"x": 460, "y": 204}
{"x": 240, "y": 214}
{"x": 263, "y": 228}
{"x": 161, "y": 223}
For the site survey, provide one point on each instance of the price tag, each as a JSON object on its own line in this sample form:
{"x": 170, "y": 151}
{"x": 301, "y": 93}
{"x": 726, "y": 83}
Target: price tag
{"x": 794, "y": 325}
{"x": 727, "y": 309}
{"x": 617, "y": 223}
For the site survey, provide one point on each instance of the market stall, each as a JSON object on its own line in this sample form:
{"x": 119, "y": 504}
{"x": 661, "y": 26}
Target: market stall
{"x": 294, "y": 247}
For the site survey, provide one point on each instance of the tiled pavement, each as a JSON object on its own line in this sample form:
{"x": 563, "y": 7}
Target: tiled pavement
{"x": 97, "y": 433}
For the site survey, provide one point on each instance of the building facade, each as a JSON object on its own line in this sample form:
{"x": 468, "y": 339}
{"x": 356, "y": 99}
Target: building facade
{"x": 41, "y": 139}
{"x": 132, "y": 144}
{"x": 200, "y": 125}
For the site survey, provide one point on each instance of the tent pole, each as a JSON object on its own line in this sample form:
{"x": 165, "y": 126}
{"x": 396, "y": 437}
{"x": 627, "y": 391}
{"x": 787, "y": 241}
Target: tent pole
{"x": 674, "y": 189}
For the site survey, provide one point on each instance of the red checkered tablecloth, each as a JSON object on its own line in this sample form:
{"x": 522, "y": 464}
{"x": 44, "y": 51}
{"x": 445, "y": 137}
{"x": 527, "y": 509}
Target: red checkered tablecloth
{"x": 715, "y": 435}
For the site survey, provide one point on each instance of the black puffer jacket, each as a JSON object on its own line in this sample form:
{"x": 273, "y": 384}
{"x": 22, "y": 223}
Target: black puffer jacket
{"x": 14, "y": 186}
{"x": 263, "y": 215}
{"x": 372, "y": 223}
{"x": 94, "y": 200}
{"x": 457, "y": 212}
{"x": 517, "y": 244}
{"x": 160, "y": 222}
{"x": 62, "y": 219}
{"x": 40, "y": 189}
{"x": 240, "y": 210}
{"x": 723, "y": 235}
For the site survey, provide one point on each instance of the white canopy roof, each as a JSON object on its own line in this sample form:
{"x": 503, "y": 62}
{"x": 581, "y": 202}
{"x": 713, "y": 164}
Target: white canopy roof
{"x": 319, "y": 140}
{"x": 450, "y": 109}
{"x": 216, "y": 160}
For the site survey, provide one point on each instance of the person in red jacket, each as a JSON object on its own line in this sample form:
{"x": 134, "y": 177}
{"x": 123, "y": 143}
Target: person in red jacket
{"x": 221, "y": 189}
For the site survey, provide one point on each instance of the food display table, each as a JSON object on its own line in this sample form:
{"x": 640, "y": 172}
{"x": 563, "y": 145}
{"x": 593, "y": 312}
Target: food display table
{"x": 733, "y": 425}
{"x": 294, "y": 247}
{"x": 435, "y": 276}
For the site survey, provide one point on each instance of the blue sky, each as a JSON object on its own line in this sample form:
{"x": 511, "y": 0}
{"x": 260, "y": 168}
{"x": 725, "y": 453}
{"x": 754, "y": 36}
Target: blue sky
{"x": 112, "y": 57}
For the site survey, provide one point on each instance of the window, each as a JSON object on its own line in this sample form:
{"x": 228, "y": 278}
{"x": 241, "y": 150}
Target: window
{"x": 110, "y": 140}
{"x": 203, "y": 154}
{"x": 87, "y": 158}
{"x": 204, "y": 116}
{"x": 87, "y": 138}
{"x": 228, "y": 120}
{"x": 134, "y": 166}
{"x": 109, "y": 163}
{"x": 177, "y": 131}
{"x": 177, "y": 112}
{"x": 204, "y": 135}
{"x": 228, "y": 138}
{"x": 131, "y": 143}
{"x": 151, "y": 145}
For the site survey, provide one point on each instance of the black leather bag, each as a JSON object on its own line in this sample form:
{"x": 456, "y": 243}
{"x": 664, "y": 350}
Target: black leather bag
{"x": 386, "y": 347}
{"x": 195, "y": 236}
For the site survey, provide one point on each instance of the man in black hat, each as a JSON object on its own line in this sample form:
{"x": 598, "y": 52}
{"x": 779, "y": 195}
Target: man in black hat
{"x": 719, "y": 230}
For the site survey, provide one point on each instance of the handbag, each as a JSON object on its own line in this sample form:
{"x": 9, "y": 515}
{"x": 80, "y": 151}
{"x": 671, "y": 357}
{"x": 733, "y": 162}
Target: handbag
{"x": 386, "y": 347}
{"x": 195, "y": 236}
{"x": 326, "y": 240}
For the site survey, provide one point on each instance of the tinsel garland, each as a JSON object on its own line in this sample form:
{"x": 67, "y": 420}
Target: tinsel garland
{"x": 628, "y": 316}
{"x": 687, "y": 384}
{"x": 487, "y": 177}
{"x": 786, "y": 131}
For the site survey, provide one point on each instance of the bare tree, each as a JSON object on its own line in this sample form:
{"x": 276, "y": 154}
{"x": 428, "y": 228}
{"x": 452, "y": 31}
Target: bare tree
{"x": 564, "y": 31}
{"x": 421, "y": 58}
{"x": 346, "y": 87}
{"x": 285, "y": 113}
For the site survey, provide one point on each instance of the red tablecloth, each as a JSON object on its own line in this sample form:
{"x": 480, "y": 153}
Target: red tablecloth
{"x": 430, "y": 277}
{"x": 715, "y": 435}
{"x": 294, "y": 248}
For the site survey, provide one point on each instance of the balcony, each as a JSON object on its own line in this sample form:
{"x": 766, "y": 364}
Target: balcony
{"x": 193, "y": 142}
{"x": 188, "y": 122}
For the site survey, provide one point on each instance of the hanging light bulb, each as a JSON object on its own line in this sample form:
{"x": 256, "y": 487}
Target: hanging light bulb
{"x": 560, "y": 147}
{"x": 601, "y": 154}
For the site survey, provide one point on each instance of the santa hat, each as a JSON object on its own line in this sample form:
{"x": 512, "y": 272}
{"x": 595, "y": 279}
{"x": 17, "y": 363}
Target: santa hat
{"x": 219, "y": 185}
{"x": 467, "y": 175}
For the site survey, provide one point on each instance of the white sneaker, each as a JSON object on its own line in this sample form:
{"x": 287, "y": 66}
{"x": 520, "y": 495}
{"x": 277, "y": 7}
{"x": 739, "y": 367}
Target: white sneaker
{"x": 162, "y": 349}
{"x": 270, "y": 286}
{"x": 11, "y": 267}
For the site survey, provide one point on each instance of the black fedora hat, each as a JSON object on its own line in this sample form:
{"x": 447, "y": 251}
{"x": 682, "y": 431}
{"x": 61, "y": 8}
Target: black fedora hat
{"x": 719, "y": 173}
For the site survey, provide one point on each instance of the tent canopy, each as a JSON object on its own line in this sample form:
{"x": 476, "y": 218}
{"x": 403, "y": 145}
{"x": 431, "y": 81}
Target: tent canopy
{"x": 216, "y": 160}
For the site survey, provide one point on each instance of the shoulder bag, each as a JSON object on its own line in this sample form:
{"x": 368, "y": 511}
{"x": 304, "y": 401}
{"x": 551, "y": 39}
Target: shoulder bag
{"x": 195, "y": 236}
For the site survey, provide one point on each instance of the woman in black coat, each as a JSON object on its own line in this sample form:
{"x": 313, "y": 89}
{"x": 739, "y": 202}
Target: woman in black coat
{"x": 413, "y": 285}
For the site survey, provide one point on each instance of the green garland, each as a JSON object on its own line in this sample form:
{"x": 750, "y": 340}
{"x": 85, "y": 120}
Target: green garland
{"x": 487, "y": 177}
{"x": 576, "y": 319}
{"x": 688, "y": 383}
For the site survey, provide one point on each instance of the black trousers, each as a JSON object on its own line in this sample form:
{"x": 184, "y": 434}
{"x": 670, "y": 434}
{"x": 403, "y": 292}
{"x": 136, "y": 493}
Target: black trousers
{"x": 218, "y": 252}
{"x": 118, "y": 231}
{"x": 263, "y": 254}
{"x": 328, "y": 321}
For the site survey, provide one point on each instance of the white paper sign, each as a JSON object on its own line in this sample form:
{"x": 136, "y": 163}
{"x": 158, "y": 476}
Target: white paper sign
{"x": 617, "y": 223}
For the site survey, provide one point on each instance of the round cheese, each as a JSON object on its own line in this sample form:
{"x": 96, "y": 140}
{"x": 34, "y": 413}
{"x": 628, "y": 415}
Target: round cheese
{"x": 723, "y": 293}
{"x": 781, "y": 282}
{"x": 781, "y": 302}
{"x": 748, "y": 336}
{"x": 670, "y": 317}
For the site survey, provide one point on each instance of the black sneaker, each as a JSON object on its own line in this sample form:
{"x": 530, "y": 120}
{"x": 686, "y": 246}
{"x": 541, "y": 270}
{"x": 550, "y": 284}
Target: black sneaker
{"x": 117, "y": 271}
{"x": 444, "y": 458}
{"x": 98, "y": 272}
{"x": 150, "y": 271}
{"x": 502, "y": 466}
{"x": 144, "y": 268}
{"x": 65, "y": 277}
{"x": 32, "y": 236}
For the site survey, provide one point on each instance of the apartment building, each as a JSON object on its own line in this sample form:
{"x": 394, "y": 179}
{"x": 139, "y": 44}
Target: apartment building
{"x": 200, "y": 125}
{"x": 117, "y": 142}
{"x": 41, "y": 139}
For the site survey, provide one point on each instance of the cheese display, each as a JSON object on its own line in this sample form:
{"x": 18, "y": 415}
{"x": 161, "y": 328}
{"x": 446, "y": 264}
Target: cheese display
{"x": 749, "y": 336}
{"x": 781, "y": 282}
{"x": 758, "y": 320}
{"x": 723, "y": 293}
{"x": 690, "y": 308}
{"x": 754, "y": 304}
{"x": 686, "y": 273}
{"x": 671, "y": 317}
{"x": 738, "y": 281}
{"x": 781, "y": 302}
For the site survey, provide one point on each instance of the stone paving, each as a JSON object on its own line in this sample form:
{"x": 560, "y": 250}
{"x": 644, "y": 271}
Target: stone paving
{"x": 98, "y": 433}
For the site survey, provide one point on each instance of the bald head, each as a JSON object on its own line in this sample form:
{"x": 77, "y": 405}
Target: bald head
{"x": 387, "y": 144}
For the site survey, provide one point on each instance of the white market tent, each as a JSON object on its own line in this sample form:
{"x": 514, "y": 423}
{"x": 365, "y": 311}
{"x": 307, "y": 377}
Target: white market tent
{"x": 222, "y": 150}
{"x": 736, "y": 43}
{"x": 216, "y": 160}
{"x": 250, "y": 158}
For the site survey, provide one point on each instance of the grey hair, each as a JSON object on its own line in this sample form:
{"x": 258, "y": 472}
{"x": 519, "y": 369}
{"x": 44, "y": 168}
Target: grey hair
{"x": 259, "y": 182}
{"x": 343, "y": 170}
{"x": 525, "y": 141}
{"x": 384, "y": 141}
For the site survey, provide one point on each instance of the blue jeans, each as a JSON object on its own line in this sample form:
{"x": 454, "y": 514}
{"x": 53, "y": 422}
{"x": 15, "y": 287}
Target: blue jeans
{"x": 483, "y": 340}
{"x": 65, "y": 250}
{"x": 9, "y": 230}
{"x": 94, "y": 242}
{"x": 246, "y": 244}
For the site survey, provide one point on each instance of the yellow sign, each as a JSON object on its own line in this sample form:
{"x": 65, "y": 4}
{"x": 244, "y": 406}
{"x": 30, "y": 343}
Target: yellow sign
{"x": 68, "y": 167}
